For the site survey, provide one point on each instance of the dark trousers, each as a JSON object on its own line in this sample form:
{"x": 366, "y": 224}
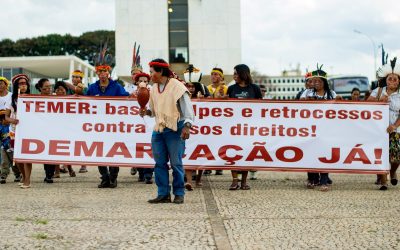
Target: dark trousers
{"x": 318, "y": 178}
{"x": 145, "y": 173}
{"x": 108, "y": 173}
{"x": 49, "y": 170}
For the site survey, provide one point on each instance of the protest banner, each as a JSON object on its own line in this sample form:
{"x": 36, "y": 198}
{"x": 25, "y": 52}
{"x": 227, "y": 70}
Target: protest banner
{"x": 330, "y": 136}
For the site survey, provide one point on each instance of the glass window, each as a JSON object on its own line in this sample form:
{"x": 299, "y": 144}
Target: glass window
{"x": 178, "y": 31}
{"x": 7, "y": 73}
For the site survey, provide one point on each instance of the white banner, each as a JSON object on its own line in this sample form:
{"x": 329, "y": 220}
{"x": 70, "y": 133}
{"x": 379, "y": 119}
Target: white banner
{"x": 227, "y": 134}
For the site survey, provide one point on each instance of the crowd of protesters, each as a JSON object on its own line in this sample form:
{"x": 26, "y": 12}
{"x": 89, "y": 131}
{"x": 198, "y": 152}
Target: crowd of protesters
{"x": 174, "y": 118}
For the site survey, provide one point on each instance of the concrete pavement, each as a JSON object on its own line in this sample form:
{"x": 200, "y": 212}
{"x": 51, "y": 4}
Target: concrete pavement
{"x": 277, "y": 213}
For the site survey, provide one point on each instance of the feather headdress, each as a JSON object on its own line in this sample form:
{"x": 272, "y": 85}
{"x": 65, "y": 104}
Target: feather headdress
{"x": 103, "y": 60}
{"x": 192, "y": 74}
{"x": 317, "y": 73}
{"x": 392, "y": 68}
{"x": 136, "y": 66}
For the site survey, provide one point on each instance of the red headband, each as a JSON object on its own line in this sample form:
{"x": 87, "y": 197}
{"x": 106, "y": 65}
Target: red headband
{"x": 136, "y": 76}
{"x": 20, "y": 76}
{"x": 103, "y": 67}
{"x": 159, "y": 64}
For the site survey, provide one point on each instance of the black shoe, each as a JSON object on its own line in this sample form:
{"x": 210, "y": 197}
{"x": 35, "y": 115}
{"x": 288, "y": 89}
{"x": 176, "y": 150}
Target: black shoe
{"x": 48, "y": 180}
{"x": 394, "y": 182}
{"x": 179, "y": 199}
{"x": 383, "y": 188}
{"x": 207, "y": 172}
{"x": 113, "y": 183}
{"x": 140, "y": 179}
{"x": 149, "y": 181}
{"x": 133, "y": 171}
{"x": 18, "y": 178}
{"x": 218, "y": 172}
{"x": 2, "y": 180}
{"x": 330, "y": 182}
{"x": 160, "y": 199}
{"x": 104, "y": 184}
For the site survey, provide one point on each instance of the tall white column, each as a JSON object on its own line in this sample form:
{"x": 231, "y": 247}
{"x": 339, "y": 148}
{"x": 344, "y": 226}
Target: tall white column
{"x": 71, "y": 68}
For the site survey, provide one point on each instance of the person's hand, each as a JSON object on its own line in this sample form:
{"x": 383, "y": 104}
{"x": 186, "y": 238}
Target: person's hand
{"x": 391, "y": 129}
{"x": 143, "y": 112}
{"x": 14, "y": 121}
{"x": 199, "y": 95}
{"x": 221, "y": 92}
{"x": 185, "y": 133}
{"x": 384, "y": 98}
{"x": 338, "y": 97}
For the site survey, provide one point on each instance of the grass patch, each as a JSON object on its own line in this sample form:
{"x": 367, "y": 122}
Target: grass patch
{"x": 40, "y": 236}
{"x": 42, "y": 221}
{"x": 20, "y": 219}
{"x": 77, "y": 219}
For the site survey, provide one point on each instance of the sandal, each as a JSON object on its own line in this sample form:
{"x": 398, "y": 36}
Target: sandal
{"x": 324, "y": 188}
{"x": 234, "y": 186}
{"x": 188, "y": 187}
{"x": 245, "y": 187}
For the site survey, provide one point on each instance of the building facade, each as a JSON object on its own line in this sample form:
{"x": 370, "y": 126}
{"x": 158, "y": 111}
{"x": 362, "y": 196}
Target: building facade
{"x": 283, "y": 87}
{"x": 205, "y": 33}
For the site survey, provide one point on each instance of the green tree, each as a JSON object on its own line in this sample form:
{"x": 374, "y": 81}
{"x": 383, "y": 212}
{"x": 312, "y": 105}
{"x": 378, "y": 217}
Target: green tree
{"x": 84, "y": 46}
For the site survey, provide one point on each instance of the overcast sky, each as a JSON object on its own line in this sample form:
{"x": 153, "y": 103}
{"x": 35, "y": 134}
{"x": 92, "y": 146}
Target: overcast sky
{"x": 275, "y": 33}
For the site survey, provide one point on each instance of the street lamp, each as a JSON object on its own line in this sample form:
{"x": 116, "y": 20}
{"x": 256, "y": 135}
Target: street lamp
{"x": 373, "y": 46}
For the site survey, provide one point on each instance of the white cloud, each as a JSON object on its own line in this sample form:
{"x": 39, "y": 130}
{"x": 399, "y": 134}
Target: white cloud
{"x": 28, "y": 18}
{"x": 279, "y": 33}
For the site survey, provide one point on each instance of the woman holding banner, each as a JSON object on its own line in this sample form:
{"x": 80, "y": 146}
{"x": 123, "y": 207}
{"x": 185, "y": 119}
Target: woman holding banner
{"x": 61, "y": 89}
{"x": 192, "y": 77}
{"x": 391, "y": 76}
{"x": 244, "y": 88}
{"x": 45, "y": 88}
{"x": 20, "y": 85}
{"x": 321, "y": 91}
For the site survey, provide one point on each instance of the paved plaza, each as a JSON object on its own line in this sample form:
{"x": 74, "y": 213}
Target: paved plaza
{"x": 277, "y": 213}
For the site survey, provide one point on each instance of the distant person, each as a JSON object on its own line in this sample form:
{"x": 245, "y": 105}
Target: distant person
{"x": 45, "y": 88}
{"x": 105, "y": 86}
{"x": 77, "y": 77}
{"x": 355, "y": 94}
{"x": 390, "y": 78}
{"x": 320, "y": 91}
{"x": 217, "y": 88}
{"x": 21, "y": 85}
{"x": 61, "y": 89}
{"x": 6, "y": 147}
{"x": 244, "y": 88}
{"x": 309, "y": 84}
